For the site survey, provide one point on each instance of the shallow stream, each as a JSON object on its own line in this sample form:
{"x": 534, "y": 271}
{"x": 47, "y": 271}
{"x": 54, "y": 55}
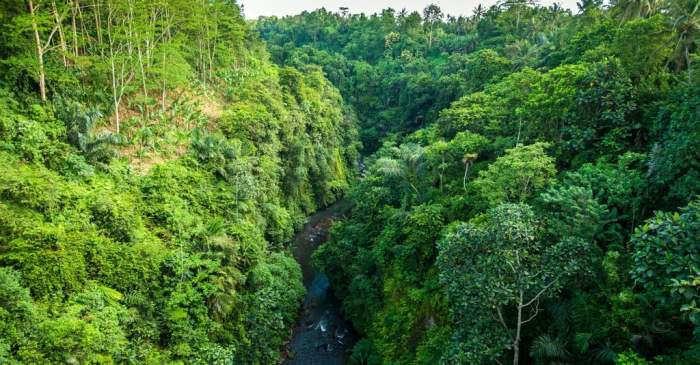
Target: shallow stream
{"x": 321, "y": 336}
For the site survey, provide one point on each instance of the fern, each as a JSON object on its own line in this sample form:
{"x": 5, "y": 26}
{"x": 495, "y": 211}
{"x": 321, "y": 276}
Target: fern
{"x": 603, "y": 354}
{"x": 389, "y": 167}
{"x": 80, "y": 123}
{"x": 546, "y": 350}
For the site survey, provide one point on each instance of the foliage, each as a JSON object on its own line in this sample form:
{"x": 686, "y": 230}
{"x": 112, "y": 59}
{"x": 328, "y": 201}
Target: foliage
{"x": 155, "y": 166}
{"x": 514, "y": 176}
{"x": 630, "y": 358}
{"x": 506, "y": 266}
{"x": 666, "y": 259}
{"x": 587, "y": 118}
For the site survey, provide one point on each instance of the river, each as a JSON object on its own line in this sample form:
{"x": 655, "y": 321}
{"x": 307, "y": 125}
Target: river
{"x": 321, "y": 336}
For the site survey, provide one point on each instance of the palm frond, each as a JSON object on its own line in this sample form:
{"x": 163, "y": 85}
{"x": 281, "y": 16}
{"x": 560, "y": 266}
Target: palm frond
{"x": 389, "y": 167}
{"x": 545, "y": 349}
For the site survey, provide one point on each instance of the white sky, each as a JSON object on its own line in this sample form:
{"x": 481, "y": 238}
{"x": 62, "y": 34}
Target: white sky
{"x": 255, "y": 8}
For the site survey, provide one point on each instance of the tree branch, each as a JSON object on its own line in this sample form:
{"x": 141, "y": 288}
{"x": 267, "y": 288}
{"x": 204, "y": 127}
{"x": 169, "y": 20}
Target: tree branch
{"x": 536, "y": 297}
{"x": 45, "y": 47}
{"x": 503, "y": 322}
{"x": 537, "y": 311}
{"x": 532, "y": 317}
{"x": 53, "y": 31}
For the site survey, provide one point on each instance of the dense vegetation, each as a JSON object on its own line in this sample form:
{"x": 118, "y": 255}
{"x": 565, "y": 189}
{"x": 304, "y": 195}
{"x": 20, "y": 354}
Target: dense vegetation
{"x": 531, "y": 185}
{"x": 530, "y": 193}
{"x": 154, "y": 165}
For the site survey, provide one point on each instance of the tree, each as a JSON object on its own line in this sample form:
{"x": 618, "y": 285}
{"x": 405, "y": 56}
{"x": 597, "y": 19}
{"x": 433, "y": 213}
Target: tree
{"x": 436, "y": 155}
{"x": 483, "y": 67}
{"x": 406, "y": 164}
{"x": 432, "y": 15}
{"x": 630, "y": 357}
{"x": 516, "y": 175}
{"x": 673, "y": 159}
{"x": 686, "y": 26}
{"x": 587, "y": 6}
{"x": 666, "y": 254}
{"x": 632, "y": 9}
{"x": 39, "y": 23}
{"x": 17, "y": 311}
{"x": 467, "y": 145}
{"x": 75, "y": 13}
{"x": 120, "y": 56}
{"x": 573, "y": 211}
{"x": 500, "y": 271}
{"x": 518, "y": 5}
{"x": 478, "y": 12}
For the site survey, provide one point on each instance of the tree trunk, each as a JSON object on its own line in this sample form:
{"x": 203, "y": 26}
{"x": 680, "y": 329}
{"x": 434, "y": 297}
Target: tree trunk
{"x": 74, "y": 26}
{"x": 516, "y": 340}
{"x": 203, "y": 65}
{"x": 209, "y": 48}
{"x": 83, "y": 30}
{"x": 115, "y": 99}
{"x": 166, "y": 39}
{"x": 687, "y": 63}
{"x": 143, "y": 81}
{"x": 163, "y": 94}
{"x": 442, "y": 171}
{"x": 466, "y": 171}
{"x": 113, "y": 67}
{"x": 98, "y": 25}
{"x": 430, "y": 37}
{"x": 116, "y": 113}
{"x": 61, "y": 37}
{"x": 39, "y": 53}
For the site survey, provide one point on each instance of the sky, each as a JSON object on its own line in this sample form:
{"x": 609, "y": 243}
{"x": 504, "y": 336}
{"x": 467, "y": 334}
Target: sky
{"x": 255, "y": 8}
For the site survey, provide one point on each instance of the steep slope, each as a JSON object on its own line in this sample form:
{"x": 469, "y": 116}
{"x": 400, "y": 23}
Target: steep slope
{"x": 185, "y": 260}
{"x": 526, "y": 167}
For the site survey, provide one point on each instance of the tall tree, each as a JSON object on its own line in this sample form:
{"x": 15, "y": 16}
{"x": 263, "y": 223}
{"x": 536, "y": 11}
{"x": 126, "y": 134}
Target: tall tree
{"x": 75, "y": 11}
{"x": 120, "y": 56}
{"x": 432, "y": 16}
{"x": 405, "y": 163}
{"x": 61, "y": 37}
{"x": 40, "y": 23}
{"x": 633, "y": 9}
{"x": 686, "y": 26}
{"x": 499, "y": 273}
{"x": 517, "y": 6}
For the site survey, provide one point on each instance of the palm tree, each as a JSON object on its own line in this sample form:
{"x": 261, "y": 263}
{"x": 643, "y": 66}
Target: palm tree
{"x": 522, "y": 51}
{"x": 468, "y": 160}
{"x": 80, "y": 122}
{"x": 590, "y": 9}
{"x": 686, "y": 28}
{"x": 223, "y": 300}
{"x": 586, "y": 5}
{"x": 518, "y": 5}
{"x": 478, "y": 12}
{"x": 633, "y": 9}
{"x": 406, "y": 164}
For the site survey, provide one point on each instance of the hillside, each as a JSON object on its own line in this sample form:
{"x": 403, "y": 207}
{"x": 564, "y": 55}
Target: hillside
{"x": 155, "y": 165}
{"x": 179, "y": 185}
{"x": 532, "y": 180}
